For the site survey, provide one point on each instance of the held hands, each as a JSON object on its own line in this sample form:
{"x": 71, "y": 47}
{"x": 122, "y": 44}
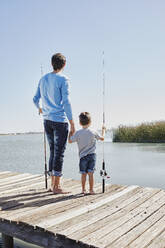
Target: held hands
{"x": 71, "y": 132}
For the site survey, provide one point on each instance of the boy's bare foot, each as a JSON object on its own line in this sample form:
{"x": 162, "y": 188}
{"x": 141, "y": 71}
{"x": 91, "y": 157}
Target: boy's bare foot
{"x": 91, "y": 192}
{"x": 84, "y": 192}
{"x": 59, "y": 191}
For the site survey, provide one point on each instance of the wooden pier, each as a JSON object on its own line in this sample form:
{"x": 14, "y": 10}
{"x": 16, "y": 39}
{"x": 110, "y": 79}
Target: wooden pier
{"x": 124, "y": 216}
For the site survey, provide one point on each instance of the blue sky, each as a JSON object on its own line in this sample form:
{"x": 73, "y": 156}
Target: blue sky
{"x": 130, "y": 32}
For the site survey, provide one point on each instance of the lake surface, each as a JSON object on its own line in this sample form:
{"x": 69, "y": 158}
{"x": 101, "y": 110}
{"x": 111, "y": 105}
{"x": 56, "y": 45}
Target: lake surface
{"x": 126, "y": 163}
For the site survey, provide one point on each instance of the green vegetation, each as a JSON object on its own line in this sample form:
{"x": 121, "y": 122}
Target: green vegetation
{"x": 153, "y": 132}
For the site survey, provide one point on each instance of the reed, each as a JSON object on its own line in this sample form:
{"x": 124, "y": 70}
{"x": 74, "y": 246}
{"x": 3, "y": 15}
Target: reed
{"x": 153, "y": 132}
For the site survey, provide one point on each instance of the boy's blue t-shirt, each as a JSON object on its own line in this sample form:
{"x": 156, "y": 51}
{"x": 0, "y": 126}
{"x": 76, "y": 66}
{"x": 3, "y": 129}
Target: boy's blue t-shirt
{"x": 86, "y": 140}
{"x": 53, "y": 89}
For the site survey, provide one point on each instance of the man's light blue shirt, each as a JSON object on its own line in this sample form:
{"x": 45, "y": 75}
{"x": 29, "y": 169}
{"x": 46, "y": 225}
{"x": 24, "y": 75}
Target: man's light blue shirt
{"x": 53, "y": 89}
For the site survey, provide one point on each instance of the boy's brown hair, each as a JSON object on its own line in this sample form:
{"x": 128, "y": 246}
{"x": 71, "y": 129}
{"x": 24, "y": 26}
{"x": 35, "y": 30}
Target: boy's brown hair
{"x": 58, "y": 61}
{"x": 85, "y": 118}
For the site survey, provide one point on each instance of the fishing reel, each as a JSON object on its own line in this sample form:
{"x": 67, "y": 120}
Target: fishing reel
{"x": 104, "y": 174}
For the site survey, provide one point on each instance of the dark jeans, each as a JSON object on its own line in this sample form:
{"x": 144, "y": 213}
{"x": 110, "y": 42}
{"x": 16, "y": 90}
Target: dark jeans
{"x": 56, "y": 133}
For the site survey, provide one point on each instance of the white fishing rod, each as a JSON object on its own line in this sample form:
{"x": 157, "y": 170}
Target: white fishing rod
{"x": 45, "y": 159}
{"x": 103, "y": 172}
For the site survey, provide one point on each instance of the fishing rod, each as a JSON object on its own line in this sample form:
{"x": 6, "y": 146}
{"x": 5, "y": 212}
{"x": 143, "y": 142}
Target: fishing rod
{"x": 45, "y": 159}
{"x": 103, "y": 172}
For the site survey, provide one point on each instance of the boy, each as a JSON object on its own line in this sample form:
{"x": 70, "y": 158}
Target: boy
{"x": 53, "y": 89}
{"x": 86, "y": 140}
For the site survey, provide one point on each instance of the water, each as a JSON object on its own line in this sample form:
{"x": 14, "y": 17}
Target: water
{"x": 126, "y": 163}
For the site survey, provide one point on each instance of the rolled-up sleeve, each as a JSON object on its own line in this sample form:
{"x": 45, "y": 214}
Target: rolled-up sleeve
{"x": 37, "y": 96}
{"x": 65, "y": 99}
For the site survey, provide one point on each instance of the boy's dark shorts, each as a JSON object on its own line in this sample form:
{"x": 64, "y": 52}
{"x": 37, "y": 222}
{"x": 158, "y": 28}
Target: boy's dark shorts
{"x": 87, "y": 163}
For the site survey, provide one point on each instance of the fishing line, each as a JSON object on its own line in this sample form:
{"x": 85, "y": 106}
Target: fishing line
{"x": 103, "y": 172}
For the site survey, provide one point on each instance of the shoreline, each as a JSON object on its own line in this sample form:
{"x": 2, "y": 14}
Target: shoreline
{"x": 2, "y": 134}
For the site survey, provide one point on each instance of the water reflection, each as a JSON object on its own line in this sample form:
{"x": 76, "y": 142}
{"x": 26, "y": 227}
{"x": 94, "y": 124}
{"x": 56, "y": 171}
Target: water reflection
{"x": 20, "y": 244}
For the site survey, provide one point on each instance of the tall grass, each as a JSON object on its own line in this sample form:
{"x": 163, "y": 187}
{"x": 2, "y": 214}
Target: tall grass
{"x": 153, "y": 132}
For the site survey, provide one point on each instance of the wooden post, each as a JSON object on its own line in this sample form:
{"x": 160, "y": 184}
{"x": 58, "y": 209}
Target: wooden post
{"x": 7, "y": 241}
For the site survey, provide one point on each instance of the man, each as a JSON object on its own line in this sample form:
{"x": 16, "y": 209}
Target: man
{"x": 53, "y": 89}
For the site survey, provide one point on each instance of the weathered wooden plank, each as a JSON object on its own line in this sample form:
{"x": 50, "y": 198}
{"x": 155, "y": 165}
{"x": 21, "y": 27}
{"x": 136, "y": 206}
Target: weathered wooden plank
{"x": 80, "y": 201}
{"x": 22, "y": 194}
{"x": 100, "y": 217}
{"x": 4, "y": 172}
{"x": 7, "y": 175}
{"x": 142, "y": 234}
{"x": 28, "y": 201}
{"x": 84, "y": 209}
{"x": 137, "y": 196}
{"x": 40, "y": 199}
{"x": 28, "y": 192}
{"x": 18, "y": 194}
{"x": 56, "y": 203}
{"x": 62, "y": 205}
{"x": 13, "y": 178}
{"x": 92, "y": 216}
{"x": 17, "y": 179}
{"x": 125, "y": 217}
{"x": 111, "y": 232}
{"x": 25, "y": 187}
{"x": 28, "y": 213}
{"x": 158, "y": 242}
{"x": 9, "y": 201}
{"x": 116, "y": 218}
{"x": 152, "y": 232}
{"x": 18, "y": 185}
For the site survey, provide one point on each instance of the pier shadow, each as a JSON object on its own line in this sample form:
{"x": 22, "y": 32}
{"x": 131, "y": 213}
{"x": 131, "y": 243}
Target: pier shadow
{"x": 36, "y": 199}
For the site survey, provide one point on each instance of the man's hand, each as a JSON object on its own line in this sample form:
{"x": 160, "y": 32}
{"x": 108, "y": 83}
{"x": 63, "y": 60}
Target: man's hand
{"x": 40, "y": 111}
{"x": 72, "y": 127}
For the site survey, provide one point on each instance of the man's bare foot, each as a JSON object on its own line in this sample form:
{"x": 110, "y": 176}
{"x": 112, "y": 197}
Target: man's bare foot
{"x": 50, "y": 190}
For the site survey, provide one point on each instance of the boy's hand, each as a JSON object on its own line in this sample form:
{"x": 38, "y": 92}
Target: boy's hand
{"x": 40, "y": 111}
{"x": 103, "y": 130}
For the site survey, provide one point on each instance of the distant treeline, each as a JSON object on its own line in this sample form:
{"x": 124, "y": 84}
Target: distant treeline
{"x": 153, "y": 132}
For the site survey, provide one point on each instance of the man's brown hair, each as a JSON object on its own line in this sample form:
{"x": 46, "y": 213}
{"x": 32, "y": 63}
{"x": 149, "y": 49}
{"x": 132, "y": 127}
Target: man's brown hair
{"x": 85, "y": 118}
{"x": 58, "y": 61}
